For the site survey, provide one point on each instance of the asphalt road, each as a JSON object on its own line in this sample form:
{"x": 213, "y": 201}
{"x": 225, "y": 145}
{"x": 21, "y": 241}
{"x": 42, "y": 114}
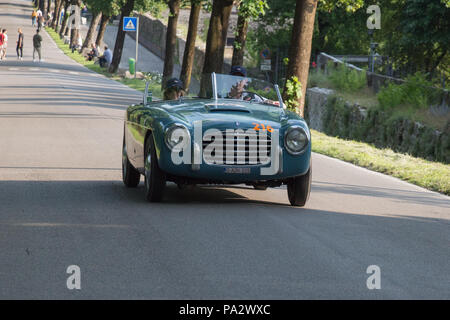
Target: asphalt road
{"x": 62, "y": 203}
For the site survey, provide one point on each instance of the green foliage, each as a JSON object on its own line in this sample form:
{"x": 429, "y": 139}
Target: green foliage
{"x": 416, "y": 92}
{"x": 390, "y": 96}
{"x": 252, "y": 9}
{"x": 347, "y": 79}
{"x": 154, "y": 77}
{"x": 293, "y": 93}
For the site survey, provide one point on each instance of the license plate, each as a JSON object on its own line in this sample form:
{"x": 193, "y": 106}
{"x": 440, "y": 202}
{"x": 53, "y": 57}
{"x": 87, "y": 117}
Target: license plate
{"x": 237, "y": 170}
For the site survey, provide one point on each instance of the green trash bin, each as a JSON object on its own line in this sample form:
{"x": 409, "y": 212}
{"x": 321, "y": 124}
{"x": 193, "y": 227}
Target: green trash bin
{"x": 132, "y": 65}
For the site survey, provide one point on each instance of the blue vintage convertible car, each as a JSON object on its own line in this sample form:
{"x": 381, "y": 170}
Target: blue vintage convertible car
{"x": 237, "y": 131}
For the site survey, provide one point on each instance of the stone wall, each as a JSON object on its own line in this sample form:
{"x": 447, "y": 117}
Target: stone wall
{"x": 329, "y": 114}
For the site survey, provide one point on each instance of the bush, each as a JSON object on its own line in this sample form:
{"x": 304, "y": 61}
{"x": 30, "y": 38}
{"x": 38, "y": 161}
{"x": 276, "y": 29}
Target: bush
{"x": 347, "y": 79}
{"x": 293, "y": 94}
{"x": 416, "y": 92}
{"x": 390, "y": 96}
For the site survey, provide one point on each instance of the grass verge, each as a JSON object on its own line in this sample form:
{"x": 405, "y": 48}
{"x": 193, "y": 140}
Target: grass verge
{"x": 427, "y": 174}
{"x": 136, "y": 84}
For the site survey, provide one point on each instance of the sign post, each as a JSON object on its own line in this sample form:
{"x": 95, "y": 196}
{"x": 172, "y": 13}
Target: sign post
{"x": 132, "y": 24}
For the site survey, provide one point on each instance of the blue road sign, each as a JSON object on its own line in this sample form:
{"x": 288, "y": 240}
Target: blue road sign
{"x": 129, "y": 23}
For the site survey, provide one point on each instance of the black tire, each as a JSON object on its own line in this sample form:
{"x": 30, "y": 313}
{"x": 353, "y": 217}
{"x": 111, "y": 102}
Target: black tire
{"x": 155, "y": 178}
{"x": 299, "y": 188}
{"x": 130, "y": 176}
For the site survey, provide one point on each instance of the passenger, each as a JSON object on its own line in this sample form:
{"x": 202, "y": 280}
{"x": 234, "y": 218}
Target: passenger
{"x": 174, "y": 89}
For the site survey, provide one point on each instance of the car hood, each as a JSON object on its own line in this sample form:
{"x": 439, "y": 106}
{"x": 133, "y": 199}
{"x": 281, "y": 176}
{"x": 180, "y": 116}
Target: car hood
{"x": 225, "y": 111}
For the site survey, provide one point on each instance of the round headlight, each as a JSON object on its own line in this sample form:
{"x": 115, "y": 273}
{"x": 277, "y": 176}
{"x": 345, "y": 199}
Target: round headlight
{"x": 296, "y": 140}
{"x": 176, "y": 136}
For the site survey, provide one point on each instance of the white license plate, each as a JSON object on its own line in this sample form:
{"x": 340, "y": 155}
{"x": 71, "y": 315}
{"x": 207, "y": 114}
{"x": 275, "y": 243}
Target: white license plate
{"x": 237, "y": 170}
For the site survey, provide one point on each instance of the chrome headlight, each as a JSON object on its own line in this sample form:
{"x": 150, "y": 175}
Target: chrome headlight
{"x": 296, "y": 140}
{"x": 177, "y": 136}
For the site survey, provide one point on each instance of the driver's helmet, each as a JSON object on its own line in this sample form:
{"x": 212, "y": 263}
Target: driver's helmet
{"x": 174, "y": 83}
{"x": 238, "y": 71}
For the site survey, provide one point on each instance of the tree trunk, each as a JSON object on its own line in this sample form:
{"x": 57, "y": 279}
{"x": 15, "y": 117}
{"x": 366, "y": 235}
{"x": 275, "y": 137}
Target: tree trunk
{"x": 44, "y": 8}
{"x": 225, "y": 18}
{"x": 49, "y": 8}
{"x": 56, "y": 13}
{"x": 300, "y": 49}
{"x": 120, "y": 39}
{"x": 66, "y": 17}
{"x": 189, "y": 50}
{"x": 75, "y": 32}
{"x": 214, "y": 42}
{"x": 239, "y": 42}
{"x": 92, "y": 28}
{"x": 101, "y": 31}
{"x": 171, "y": 40}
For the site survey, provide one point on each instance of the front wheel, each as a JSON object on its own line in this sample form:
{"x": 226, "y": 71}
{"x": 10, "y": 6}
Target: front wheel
{"x": 299, "y": 188}
{"x": 155, "y": 178}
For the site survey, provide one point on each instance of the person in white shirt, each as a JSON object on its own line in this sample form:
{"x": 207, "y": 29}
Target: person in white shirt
{"x": 39, "y": 13}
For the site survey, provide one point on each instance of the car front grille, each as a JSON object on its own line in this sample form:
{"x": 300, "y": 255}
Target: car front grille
{"x": 236, "y": 147}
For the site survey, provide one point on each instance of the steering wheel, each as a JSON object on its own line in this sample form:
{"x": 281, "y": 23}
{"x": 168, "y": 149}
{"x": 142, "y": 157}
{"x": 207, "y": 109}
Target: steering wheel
{"x": 251, "y": 96}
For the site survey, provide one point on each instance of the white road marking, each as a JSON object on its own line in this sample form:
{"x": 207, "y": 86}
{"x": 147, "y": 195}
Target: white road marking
{"x": 34, "y": 69}
{"x": 13, "y": 69}
{"x": 73, "y": 72}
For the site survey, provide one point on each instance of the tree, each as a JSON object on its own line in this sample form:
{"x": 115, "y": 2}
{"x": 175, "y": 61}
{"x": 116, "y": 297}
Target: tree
{"x": 171, "y": 39}
{"x": 126, "y": 8}
{"x": 66, "y": 18}
{"x": 44, "y": 9}
{"x": 300, "y": 49}
{"x": 189, "y": 50}
{"x": 74, "y": 30}
{"x": 102, "y": 29}
{"x": 225, "y": 19}
{"x": 49, "y": 8}
{"x": 422, "y": 35}
{"x": 215, "y": 41}
{"x": 56, "y": 14}
{"x": 99, "y": 9}
{"x": 248, "y": 9}
{"x": 118, "y": 48}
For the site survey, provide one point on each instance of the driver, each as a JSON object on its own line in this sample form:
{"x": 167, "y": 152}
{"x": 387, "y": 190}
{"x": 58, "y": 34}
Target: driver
{"x": 174, "y": 89}
{"x": 238, "y": 89}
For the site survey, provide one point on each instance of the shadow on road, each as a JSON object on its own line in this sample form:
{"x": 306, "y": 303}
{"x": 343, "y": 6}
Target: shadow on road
{"x": 419, "y": 197}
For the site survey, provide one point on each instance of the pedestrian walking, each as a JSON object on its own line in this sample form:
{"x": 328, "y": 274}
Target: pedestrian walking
{"x": 5, "y": 44}
{"x": 37, "y": 39}
{"x": 40, "y": 20}
{"x": 2, "y": 39}
{"x": 33, "y": 18}
{"x": 19, "y": 47}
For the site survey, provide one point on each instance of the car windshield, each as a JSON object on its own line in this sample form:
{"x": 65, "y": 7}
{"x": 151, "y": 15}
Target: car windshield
{"x": 241, "y": 88}
{"x": 244, "y": 88}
